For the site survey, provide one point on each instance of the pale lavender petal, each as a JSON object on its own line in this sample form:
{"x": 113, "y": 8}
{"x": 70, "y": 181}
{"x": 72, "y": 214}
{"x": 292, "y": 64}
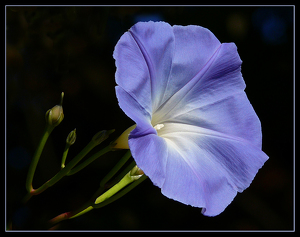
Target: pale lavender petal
{"x": 156, "y": 42}
{"x": 219, "y": 78}
{"x": 135, "y": 111}
{"x": 152, "y": 66}
{"x": 132, "y": 73}
{"x": 232, "y": 116}
{"x": 239, "y": 157}
{"x": 197, "y": 166}
{"x": 194, "y": 47}
{"x": 150, "y": 151}
{"x": 200, "y": 184}
{"x": 143, "y": 58}
{"x": 215, "y": 99}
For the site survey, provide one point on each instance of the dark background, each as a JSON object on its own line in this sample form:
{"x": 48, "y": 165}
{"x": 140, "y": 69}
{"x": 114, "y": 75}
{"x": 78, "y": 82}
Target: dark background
{"x": 69, "y": 49}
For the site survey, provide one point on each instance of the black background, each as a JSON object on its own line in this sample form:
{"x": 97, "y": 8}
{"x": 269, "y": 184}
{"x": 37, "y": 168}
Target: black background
{"x": 55, "y": 49}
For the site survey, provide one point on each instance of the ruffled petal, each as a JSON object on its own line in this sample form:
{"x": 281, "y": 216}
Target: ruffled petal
{"x": 199, "y": 185}
{"x": 135, "y": 111}
{"x": 194, "y": 47}
{"x": 150, "y": 152}
{"x": 156, "y": 42}
{"x": 215, "y": 99}
{"x": 203, "y": 168}
{"x": 132, "y": 73}
{"x": 143, "y": 59}
{"x": 232, "y": 116}
{"x": 219, "y": 78}
{"x": 154, "y": 60}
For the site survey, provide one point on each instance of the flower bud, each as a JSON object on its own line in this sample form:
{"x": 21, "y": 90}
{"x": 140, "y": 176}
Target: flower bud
{"x": 55, "y": 115}
{"x": 71, "y": 137}
{"x": 101, "y": 136}
{"x": 122, "y": 140}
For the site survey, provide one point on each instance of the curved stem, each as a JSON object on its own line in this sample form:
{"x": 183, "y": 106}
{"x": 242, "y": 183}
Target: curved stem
{"x": 65, "y": 170}
{"x": 64, "y": 156}
{"x": 112, "y": 183}
{"x": 125, "y": 185}
{"x": 113, "y": 193}
{"x": 37, "y": 156}
{"x": 121, "y": 193}
{"x": 89, "y": 160}
{"x": 116, "y": 168}
{"x": 121, "y": 175}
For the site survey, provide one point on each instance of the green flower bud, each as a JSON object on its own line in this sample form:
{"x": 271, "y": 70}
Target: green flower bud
{"x": 101, "y": 136}
{"x": 71, "y": 137}
{"x": 122, "y": 141}
{"x": 55, "y": 115}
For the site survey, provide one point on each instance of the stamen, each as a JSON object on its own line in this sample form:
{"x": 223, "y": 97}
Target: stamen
{"x": 158, "y": 126}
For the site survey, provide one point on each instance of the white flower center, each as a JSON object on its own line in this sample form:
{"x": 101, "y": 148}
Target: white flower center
{"x": 158, "y": 126}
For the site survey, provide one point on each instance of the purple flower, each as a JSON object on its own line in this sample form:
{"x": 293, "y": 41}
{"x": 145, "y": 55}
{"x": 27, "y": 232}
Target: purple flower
{"x": 197, "y": 136}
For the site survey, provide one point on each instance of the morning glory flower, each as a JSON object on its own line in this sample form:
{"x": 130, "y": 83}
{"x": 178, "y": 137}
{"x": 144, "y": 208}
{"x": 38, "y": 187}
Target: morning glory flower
{"x": 197, "y": 137}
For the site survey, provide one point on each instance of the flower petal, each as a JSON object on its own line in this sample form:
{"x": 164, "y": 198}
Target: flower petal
{"x": 135, "y": 111}
{"x": 194, "y": 47}
{"x": 197, "y": 166}
{"x": 219, "y": 78}
{"x": 156, "y": 42}
{"x": 215, "y": 99}
{"x": 143, "y": 58}
{"x": 232, "y": 116}
{"x": 150, "y": 152}
{"x": 154, "y": 60}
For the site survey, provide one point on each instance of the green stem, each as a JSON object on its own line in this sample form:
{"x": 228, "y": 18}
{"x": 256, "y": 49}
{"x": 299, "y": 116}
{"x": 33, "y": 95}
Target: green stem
{"x": 37, "y": 156}
{"x": 121, "y": 193}
{"x": 120, "y": 176}
{"x": 89, "y": 160}
{"x": 116, "y": 180}
{"x": 112, "y": 194}
{"x": 107, "y": 198}
{"x": 64, "y": 156}
{"x": 116, "y": 168}
{"x": 65, "y": 170}
{"x": 127, "y": 179}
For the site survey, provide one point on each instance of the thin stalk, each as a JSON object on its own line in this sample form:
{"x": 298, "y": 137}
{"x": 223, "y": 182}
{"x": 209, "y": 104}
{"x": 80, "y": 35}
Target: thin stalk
{"x": 71, "y": 138}
{"x": 112, "y": 183}
{"x": 125, "y": 185}
{"x": 65, "y": 170}
{"x": 64, "y": 156}
{"x": 121, "y": 193}
{"x": 124, "y": 172}
{"x": 116, "y": 168}
{"x": 37, "y": 156}
{"x": 89, "y": 160}
{"x": 112, "y": 194}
